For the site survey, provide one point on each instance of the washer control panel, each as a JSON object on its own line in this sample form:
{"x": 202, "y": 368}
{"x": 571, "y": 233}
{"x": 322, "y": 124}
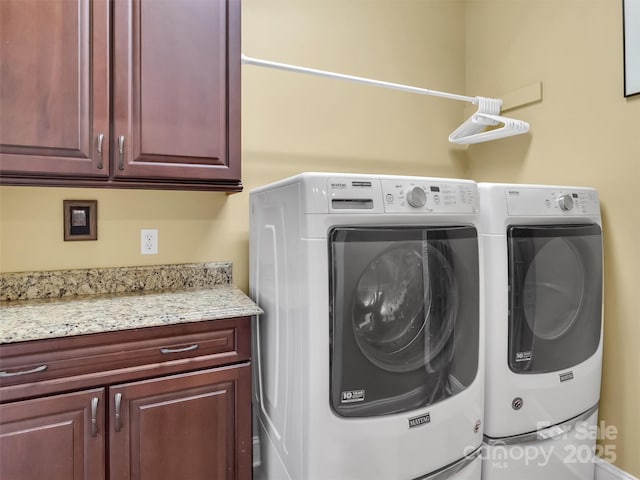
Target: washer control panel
{"x": 430, "y": 196}
{"x": 552, "y": 201}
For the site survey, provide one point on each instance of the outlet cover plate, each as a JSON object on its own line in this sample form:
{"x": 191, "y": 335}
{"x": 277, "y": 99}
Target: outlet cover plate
{"x": 149, "y": 241}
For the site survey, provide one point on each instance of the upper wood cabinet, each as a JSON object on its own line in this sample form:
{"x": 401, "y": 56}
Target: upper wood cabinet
{"x": 151, "y": 102}
{"x": 54, "y": 87}
{"x": 171, "y": 80}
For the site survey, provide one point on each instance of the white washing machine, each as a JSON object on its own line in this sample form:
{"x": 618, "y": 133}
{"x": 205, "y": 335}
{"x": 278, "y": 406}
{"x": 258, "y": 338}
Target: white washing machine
{"x": 368, "y": 362}
{"x": 543, "y": 280}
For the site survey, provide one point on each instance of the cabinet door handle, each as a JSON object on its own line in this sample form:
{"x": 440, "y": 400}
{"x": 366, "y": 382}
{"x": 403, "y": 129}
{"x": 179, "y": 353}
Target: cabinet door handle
{"x": 100, "y": 140}
{"x": 41, "y": 368}
{"x": 118, "y": 401}
{"x": 166, "y": 351}
{"x": 121, "y": 152}
{"x": 94, "y": 417}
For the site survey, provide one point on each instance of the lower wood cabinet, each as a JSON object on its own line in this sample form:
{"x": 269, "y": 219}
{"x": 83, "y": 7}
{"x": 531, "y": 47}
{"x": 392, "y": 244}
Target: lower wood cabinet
{"x": 182, "y": 427}
{"x": 191, "y": 424}
{"x": 53, "y": 438}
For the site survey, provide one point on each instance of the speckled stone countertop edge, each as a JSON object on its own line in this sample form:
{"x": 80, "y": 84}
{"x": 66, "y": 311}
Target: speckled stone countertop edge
{"x": 91, "y": 281}
{"x": 62, "y": 317}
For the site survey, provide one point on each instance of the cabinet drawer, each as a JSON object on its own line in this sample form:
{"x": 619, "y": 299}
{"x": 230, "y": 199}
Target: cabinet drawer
{"x": 191, "y": 346}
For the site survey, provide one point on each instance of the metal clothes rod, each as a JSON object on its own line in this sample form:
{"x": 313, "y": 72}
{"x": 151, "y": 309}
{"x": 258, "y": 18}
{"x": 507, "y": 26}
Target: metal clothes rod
{"x": 476, "y": 129}
{"x": 368, "y": 81}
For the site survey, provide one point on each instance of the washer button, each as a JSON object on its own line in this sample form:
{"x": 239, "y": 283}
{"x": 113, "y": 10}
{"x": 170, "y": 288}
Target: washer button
{"x": 517, "y": 403}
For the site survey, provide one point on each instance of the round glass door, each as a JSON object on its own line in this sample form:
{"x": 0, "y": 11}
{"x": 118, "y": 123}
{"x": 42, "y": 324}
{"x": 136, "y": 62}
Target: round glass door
{"x": 404, "y": 317}
{"x": 553, "y": 289}
{"x": 404, "y": 308}
{"x": 555, "y": 296}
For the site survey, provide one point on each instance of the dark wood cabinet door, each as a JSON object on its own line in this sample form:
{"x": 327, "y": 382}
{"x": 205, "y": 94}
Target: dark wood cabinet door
{"x": 176, "y": 94}
{"x": 194, "y": 426}
{"x": 54, "y": 82}
{"x": 53, "y": 438}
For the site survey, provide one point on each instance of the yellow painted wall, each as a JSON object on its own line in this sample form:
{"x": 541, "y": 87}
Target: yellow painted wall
{"x": 584, "y": 132}
{"x": 290, "y": 123}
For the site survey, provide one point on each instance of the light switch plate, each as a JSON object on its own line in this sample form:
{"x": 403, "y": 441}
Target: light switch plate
{"x": 80, "y": 219}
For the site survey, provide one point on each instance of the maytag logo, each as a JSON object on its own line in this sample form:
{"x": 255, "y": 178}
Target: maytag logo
{"x": 421, "y": 420}
{"x": 566, "y": 376}
{"x": 513, "y": 192}
{"x": 523, "y": 356}
{"x": 338, "y": 185}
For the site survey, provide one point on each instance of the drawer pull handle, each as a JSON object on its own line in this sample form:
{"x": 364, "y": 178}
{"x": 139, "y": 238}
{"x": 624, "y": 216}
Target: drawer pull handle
{"x": 167, "y": 351}
{"x": 41, "y": 368}
{"x": 118, "y": 400}
{"x": 100, "y": 140}
{"x": 121, "y": 152}
{"x": 94, "y": 417}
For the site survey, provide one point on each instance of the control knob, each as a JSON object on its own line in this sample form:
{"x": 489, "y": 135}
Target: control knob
{"x": 565, "y": 202}
{"x": 417, "y": 197}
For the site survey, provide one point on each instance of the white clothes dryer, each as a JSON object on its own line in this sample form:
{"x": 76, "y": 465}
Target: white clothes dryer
{"x": 543, "y": 279}
{"x": 369, "y": 358}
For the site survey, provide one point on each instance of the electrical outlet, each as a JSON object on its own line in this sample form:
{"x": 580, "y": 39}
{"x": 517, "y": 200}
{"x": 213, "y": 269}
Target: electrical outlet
{"x": 149, "y": 242}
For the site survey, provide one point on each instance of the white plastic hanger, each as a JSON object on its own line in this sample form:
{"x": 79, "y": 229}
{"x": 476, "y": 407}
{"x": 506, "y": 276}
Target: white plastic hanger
{"x": 471, "y": 131}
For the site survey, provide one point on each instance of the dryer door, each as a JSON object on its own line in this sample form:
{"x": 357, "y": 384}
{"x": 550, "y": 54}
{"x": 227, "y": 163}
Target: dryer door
{"x": 555, "y": 296}
{"x": 404, "y": 317}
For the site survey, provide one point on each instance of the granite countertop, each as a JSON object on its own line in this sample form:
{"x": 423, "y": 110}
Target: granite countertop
{"x": 64, "y": 315}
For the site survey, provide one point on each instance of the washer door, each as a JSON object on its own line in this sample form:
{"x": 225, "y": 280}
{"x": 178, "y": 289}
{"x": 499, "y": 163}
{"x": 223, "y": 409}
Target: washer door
{"x": 555, "y": 301}
{"x": 389, "y": 303}
{"x": 403, "y": 335}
